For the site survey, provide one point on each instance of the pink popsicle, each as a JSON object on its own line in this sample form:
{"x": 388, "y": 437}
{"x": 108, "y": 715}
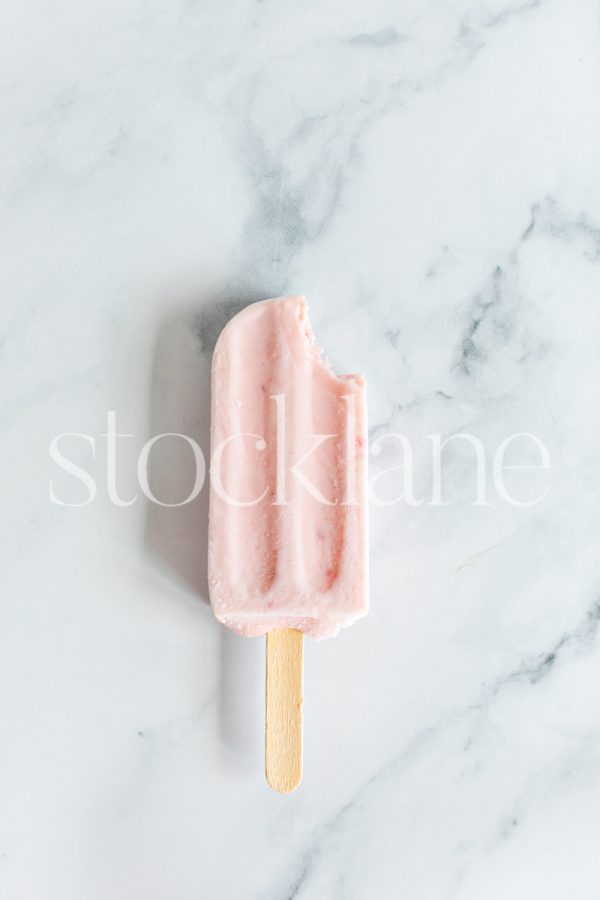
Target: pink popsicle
{"x": 288, "y": 510}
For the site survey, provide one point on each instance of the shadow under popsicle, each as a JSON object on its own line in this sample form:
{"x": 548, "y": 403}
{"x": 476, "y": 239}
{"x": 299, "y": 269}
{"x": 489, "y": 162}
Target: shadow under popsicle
{"x": 177, "y": 536}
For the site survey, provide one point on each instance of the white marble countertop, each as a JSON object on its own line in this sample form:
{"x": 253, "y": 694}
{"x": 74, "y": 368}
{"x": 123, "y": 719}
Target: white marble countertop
{"x": 427, "y": 174}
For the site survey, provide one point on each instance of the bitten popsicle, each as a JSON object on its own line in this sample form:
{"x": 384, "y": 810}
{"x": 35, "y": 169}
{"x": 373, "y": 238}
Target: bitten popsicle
{"x": 288, "y": 504}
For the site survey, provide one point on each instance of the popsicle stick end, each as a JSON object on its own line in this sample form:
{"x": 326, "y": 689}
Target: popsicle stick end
{"x": 283, "y": 711}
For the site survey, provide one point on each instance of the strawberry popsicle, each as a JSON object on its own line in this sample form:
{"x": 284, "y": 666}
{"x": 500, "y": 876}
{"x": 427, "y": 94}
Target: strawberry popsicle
{"x": 288, "y": 512}
{"x": 288, "y": 532}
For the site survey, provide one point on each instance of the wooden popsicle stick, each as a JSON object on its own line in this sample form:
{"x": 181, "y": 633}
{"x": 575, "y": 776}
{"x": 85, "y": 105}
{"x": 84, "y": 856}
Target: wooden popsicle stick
{"x": 283, "y": 713}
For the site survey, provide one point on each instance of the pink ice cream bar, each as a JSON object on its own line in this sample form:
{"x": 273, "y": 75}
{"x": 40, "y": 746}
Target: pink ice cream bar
{"x": 287, "y": 546}
{"x": 288, "y": 508}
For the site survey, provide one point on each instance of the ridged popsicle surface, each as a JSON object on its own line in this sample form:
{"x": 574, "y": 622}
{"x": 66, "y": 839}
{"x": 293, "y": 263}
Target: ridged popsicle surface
{"x": 288, "y": 504}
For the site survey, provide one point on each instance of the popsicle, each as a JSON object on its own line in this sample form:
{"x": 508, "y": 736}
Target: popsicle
{"x": 288, "y": 505}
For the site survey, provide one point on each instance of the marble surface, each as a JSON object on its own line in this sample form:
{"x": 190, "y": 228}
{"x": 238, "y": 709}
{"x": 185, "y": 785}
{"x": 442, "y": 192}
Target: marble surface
{"x": 427, "y": 174}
